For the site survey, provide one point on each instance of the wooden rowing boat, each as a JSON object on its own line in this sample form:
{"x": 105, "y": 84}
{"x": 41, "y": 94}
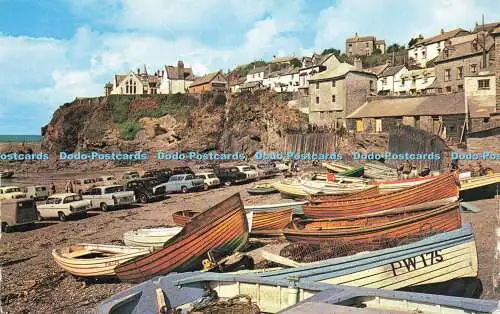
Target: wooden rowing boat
{"x": 289, "y": 190}
{"x": 371, "y": 191}
{"x": 270, "y": 222}
{"x": 369, "y": 228}
{"x": 181, "y": 218}
{"x": 377, "y": 170}
{"x": 397, "y": 185}
{"x": 354, "y": 172}
{"x": 479, "y": 182}
{"x": 331, "y": 188}
{"x": 297, "y": 207}
{"x": 262, "y": 189}
{"x": 222, "y": 227}
{"x": 95, "y": 260}
{"x": 336, "y": 167}
{"x": 151, "y": 237}
{"x": 440, "y": 187}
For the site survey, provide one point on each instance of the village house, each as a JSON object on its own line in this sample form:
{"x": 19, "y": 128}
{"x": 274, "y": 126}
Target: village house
{"x": 337, "y": 92}
{"x": 464, "y": 59}
{"x": 426, "y": 49}
{"x": 378, "y": 69}
{"x": 488, "y": 27}
{"x": 363, "y": 45}
{"x": 252, "y": 86}
{"x": 257, "y": 74}
{"x": 282, "y": 60}
{"x": 480, "y": 96}
{"x": 317, "y": 64}
{"x": 284, "y": 80}
{"x": 390, "y": 81}
{"x": 133, "y": 83}
{"x": 235, "y": 85}
{"x": 213, "y": 82}
{"x": 418, "y": 81}
{"x": 175, "y": 79}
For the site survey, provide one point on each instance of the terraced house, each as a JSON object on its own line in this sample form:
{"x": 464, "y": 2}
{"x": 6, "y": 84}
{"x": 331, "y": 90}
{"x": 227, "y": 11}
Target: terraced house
{"x": 363, "y": 45}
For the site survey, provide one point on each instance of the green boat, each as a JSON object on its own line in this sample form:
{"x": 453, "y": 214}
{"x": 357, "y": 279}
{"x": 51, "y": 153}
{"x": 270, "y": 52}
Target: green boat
{"x": 261, "y": 191}
{"x": 354, "y": 172}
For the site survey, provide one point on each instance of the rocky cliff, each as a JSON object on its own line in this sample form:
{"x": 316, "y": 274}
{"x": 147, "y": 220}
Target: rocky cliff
{"x": 179, "y": 122}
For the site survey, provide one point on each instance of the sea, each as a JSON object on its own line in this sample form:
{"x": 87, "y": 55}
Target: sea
{"x": 4, "y": 138}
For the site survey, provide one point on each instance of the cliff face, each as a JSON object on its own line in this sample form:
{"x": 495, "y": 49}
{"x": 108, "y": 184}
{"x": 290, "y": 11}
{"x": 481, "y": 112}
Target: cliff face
{"x": 245, "y": 123}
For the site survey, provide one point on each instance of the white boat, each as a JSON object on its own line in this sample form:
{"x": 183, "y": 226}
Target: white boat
{"x": 151, "y": 237}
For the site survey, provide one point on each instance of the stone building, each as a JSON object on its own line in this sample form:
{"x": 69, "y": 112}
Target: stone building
{"x": 175, "y": 79}
{"x": 337, "y": 92}
{"x": 213, "y": 82}
{"x": 363, "y": 45}
{"x": 460, "y": 60}
{"x": 134, "y": 83}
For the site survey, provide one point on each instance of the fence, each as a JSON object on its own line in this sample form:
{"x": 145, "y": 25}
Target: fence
{"x": 322, "y": 143}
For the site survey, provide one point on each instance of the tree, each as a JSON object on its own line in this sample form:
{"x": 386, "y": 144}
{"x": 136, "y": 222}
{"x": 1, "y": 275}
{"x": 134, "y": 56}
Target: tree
{"x": 336, "y": 52}
{"x": 296, "y": 63}
{"x": 412, "y": 42}
{"x": 377, "y": 51}
{"x": 394, "y": 48}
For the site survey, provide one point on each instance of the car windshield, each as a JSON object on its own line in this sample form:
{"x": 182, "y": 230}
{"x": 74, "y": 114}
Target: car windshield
{"x": 40, "y": 188}
{"x": 189, "y": 177}
{"x": 246, "y": 169}
{"x": 211, "y": 176}
{"x": 87, "y": 181}
{"x": 234, "y": 170}
{"x": 200, "y": 176}
{"x": 12, "y": 190}
{"x": 113, "y": 189}
{"x": 72, "y": 198}
{"x": 53, "y": 200}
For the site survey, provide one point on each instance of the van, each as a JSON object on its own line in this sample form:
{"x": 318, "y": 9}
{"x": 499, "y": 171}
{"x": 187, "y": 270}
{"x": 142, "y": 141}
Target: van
{"x": 16, "y": 212}
{"x": 36, "y": 192}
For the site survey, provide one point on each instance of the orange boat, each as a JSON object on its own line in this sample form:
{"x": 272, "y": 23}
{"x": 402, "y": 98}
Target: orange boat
{"x": 370, "y": 192}
{"x": 440, "y": 187}
{"x": 223, "y": 227}
{"x": 372, "y": 228}
{"x": 271, "y": 222}
{"x": 181, "y": 218}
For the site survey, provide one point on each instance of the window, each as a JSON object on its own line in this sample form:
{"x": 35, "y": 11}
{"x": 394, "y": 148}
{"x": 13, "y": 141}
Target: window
{"x": 483, "y": 84}
{"x": 384, "y": 81}
{"x": 423, "y": 54}
{"x": 486, "y": 120}
{"x": 317, "y": 100}
{"x": 333, "y": 83}
{"x": 448, "y": 89}
{"x": 317, "y": 85}
{"x": 367, "y": 45}
{"x": 371, "y": 86}
{"x": 460, "y": 73}
{"x": 473, "y": 68}
{"x": 460, "y": 88}
{"x": 435, "y": 118}
{"x": 333, "y": 98}
{"x": 446, "y": 53}
{"x": 402, "y": 81}
{"x": 447, "y": 74}
{"x": 440, "y": 90}
{"x": 350, "y": 45}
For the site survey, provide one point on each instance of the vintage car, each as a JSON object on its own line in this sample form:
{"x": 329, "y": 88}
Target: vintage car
{"x": 210, "y": 180}
{"x": 17, "y": 212}
{"x": 36, "y": 192}
{"x": 265, "y": 170}
{"x": 182, "y": 170}
{"x": 130, "y": 175}
{"x": 146, "y": 189}
{"x": 106, "y": 180}
{"x": 81, "y": 185}
{"x": 11, "y": 192}
{"x": 162, "y": 175}
{"x": 110, "y": 196}
{"x": 62, "y": 206}
{"x": 249, "y": 172}
{"x": 183, "y": 183}
{"x": 230, "y": 175}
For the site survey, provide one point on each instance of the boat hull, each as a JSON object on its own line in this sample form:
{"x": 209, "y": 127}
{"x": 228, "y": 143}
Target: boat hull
{"x": 369, "y": 192}
{"x": 479, "y": 182}
{"x": 80, "y": 259}
{"x": 271, "y": 222}
{"x": 153, "y": 237}
{"x": 223, "y": 227}
{"x": 439, "y": 188}
{"x": 181, "y": 218}
{"x": 261, "y": 191}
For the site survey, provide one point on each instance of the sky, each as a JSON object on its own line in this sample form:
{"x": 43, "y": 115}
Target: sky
{"x": 52, "y": 51}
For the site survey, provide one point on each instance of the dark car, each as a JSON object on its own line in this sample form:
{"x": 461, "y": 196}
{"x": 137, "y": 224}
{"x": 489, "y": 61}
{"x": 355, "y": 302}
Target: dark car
{"x": 163, "y": 175}
{"x": 182, "y": 170}
{"x": 230, "y": 175}
{"x": 146, "y": 189}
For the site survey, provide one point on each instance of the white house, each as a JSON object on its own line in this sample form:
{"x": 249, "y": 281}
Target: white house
{"x": 133, "y": 84}
{"x": 426, "y": 49}
{"x": 257, "y": 74}
{"x": 390, "y": 82}
{"x": 284, "y": 80}
{"x": 175, "y": 79}
{"x": 313, "y": 66}
{"x": 419, "y": 80}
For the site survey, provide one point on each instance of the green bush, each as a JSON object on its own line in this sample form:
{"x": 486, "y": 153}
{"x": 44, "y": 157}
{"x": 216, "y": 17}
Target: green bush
{"x": 129, "y": 129}
{"x": 119, "y": 105}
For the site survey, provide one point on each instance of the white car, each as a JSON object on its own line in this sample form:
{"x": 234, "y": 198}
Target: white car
{"x": 11, "y": 192}
{"x": 250, "y": 173}
{"x": 282, "y": 166}
{"x": 106, "y": 180}
{"x": 110, "y": 196}
{"x": 62, "y": 206}
{"x": 210, "y": 180}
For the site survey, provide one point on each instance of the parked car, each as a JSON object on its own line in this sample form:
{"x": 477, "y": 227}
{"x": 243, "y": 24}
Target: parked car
{"x": 146, "y": 189}
{"x": 62, "y": 206}
{"x": 11, "y": 192}
{"x": 16, "y": 212}
{"x": 130, "y": 175}
{"x": 36, "y": 192}
{"x": 162, "y": 175}
{"x": 106, "y": 180}
{"x": 182, "y": 170}
{"x": 210, "y": 180}
{"x": 183, "y": 183}
{"x": 81, "y": 185}
{"x": 282, "y": 167}
{"x": 249, "y": 172}
{"x": 110, "y": 196}
{"x": 265, "y": 170}
{"x": 230, "y": 175}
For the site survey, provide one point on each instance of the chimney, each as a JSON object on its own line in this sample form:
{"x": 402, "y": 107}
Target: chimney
{"x": 420, "y": 36}
{"x": 138, "y": 71}
{"x": 180, "y": 69}
{"x": 358, "y": 65}
{"x": 442, "y": 31}
{"x": 162, "y": 73}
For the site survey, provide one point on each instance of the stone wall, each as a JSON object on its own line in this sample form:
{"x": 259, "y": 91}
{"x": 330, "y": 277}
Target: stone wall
{"x": 454, "y": 82}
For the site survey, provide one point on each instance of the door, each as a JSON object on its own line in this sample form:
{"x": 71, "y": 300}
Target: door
{"x": 359, "y": 125}
{"x": 378, "y": 125}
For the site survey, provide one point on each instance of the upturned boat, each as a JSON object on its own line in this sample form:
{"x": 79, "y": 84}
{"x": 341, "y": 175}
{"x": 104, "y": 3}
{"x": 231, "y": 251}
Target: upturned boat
{"x": 290, "y": 190}
{"x": 442, "y": 257}
{"x": 354, "y": 172}
{"x": 222, "y": 227}
{"x": 336, "y": 167}
{"x": 262, "y": 189}
{"x": 371, "y": 228}
{"x": 95, "y": 260}
{"x": 377, "y": 170}
{"x": 440, "y": 187}
{"x": 151, "y": 237}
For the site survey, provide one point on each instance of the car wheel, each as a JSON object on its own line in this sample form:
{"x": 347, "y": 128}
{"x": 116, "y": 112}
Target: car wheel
{"x": 5, "y": 227}
{"x": 38, "y": 216}
{"x": 83, "y": 214}
{"x": 104, "y": 207}
{"x": 143, "y": 198}
{"x": 205, "y": 187}
{"x": 62, "y": 216}
{"x": 184, "y": 189}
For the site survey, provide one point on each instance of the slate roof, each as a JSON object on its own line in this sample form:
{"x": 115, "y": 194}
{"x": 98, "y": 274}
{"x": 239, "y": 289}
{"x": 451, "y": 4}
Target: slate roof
{"x": 119, "y": 78}
{"x": 377, "y": 69}
{"x": 464, "y": 49}
{"x": 440, "y": 37}
{"x": 420, "y": 73}
{"x": 487, "y": 27}
{"x": 338, "y": 71}
{"x": 251, "y": 84}
{"x": 204, "y": 79}
{"x": 390, "y": 71}
{"x": 258, "y": 70}
{"x": 173, "y": 73}
{"x": 436, "y": 105}
{"x": 282, "y": 59}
